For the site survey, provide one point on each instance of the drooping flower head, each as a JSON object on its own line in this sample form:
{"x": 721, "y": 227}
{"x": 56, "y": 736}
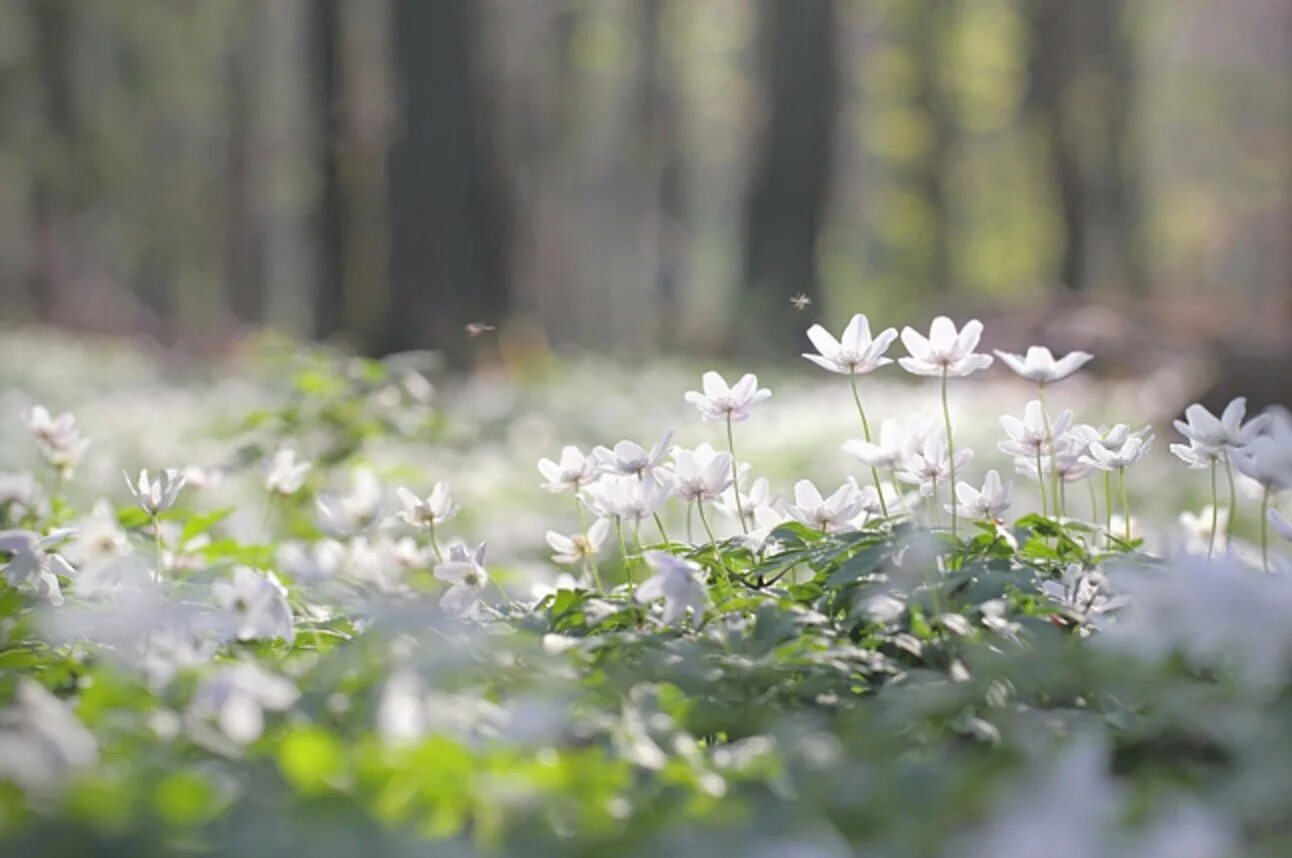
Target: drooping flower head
{"x": 945, "y": 350}
{"x": 720, "y": 401}
{"x": 853, "y": 353}
{"x": 677, "y": 582}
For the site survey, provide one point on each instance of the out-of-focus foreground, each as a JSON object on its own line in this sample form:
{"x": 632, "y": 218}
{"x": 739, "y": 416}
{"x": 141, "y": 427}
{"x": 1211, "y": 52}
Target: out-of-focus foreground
{"x": 643, "y": 174}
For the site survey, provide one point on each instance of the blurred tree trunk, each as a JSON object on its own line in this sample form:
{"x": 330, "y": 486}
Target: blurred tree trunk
{"x": 930, "y": 28}
{"x": 448, "y": 230}
{"x": 50, "y": 197}
{"x": 244, "y": 264}
{"x": 791, "y": 176}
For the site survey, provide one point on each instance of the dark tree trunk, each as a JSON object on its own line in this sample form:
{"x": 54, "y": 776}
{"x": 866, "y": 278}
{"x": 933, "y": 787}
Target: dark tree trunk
{"x": 930, "y": 28}
{"x": 448, "y": 225}
{"x": 329, "y": 317}
{"x": 787, "y": 199}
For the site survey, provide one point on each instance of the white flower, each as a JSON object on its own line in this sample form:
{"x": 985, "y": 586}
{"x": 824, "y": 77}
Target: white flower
{"x": 285, "y": 474}
{"x": 59, "y": 440}
{"x": 1267, "y": 458}
{"x": 945, "y": 351}
{"x": 896, "y": 442}
{"x": 1197, "y": 527}
{"x": 1040, "y": 366}
{"x": 435, "y": 509}
{"x": 41, "y": 740}
{"x": 720, "y": 402}
{"x": 1204, "y": 429}
{"x": 1066, "y": 461}
{"x": 156, "y": 494}
{"x": 1197, "y": 455}
{"x": 1279, "y": 523}
{"x": 258, "y": 603}
{"x": 97, "y": 537}
{"x": 626, "y": 497}
{"x": 1030, "y": 436}
{"x": 312, "y": 564}
{"x": 237, "y": 697}
{"x": 574, "y": 549}
{"x": 751, "y": 498}
{"x": 630, "y": 458}
{"x": 829, "y": 514}
{"x": 355, "y": 510}
{"x": 701, "y": 474}
{"x": 988, "y": 503}
{"x": 853, "y": 353}
{"x": 1084, "y": 592}
{"x": 677, "y": 582}
{"x": 464, "y": 571}
{"x": 1107, "y": 455}
{"x": 573, "y": 472}
{"x": 930, "y": 466}
{"x": 32, "y": 562}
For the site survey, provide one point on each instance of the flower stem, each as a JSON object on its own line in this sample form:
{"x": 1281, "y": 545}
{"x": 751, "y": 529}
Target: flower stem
{"x": 157, "y": 545}
{"x": 1233, "y": 500}
{"x": 663, "y": 534}
{"x": 1040, "y": 484}
{"x": 435, "y": 545}
{"x": 623, "y": 548}
{"x": 735, "y": 478}
{"x": 865, "y": 428}
{"x": 1265, "y": 529}
{"x": 951, "y": 452}
{"x": 1094, "y": 504}
{"x": 713, "y": 542}
{"x": 1108, "y": 507}
{"x": 1215, "y": 514}
{"x": 1126, "y": 529}
{"x": 1049, "y": 439}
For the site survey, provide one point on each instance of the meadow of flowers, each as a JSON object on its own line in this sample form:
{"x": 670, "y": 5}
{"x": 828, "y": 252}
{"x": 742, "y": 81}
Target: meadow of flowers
{"x": 944, "y": 603}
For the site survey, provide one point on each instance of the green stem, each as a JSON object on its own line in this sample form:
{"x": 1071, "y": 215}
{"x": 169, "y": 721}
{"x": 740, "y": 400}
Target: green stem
{"x": 713, "y": 542}
{"x": 1049, "y": 439}
{"x": 951, "y": 452}
{"x": 735, "y": 477}
{"x": 623, "y": 548}
{"x": 435, "y": 545}
{"x": 865, "y": 428}
{"x": 1094, "y": 504}
{"x": 1233, "y": 500}
{"x": 1108, "y": 507}
{"x": 1040, "y": 484}
{"x": 157, "y": 545}
{"x": 897, "y": 490}
{"x": 663, "y": 534}
{"x": 1215, "y": 514}
{"x": 1126, "y": 516}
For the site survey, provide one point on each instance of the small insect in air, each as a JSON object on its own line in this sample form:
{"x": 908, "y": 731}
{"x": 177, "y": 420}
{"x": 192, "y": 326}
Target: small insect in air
{"x": 475, "y": 329}
{"x": 800, "y": 301}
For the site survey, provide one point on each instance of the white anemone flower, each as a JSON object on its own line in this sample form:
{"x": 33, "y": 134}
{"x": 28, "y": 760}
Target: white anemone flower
{"x": 42, "y": 742}
{"x": 1279, "y": 523}
{"x": 430, "y": 511}
{"x": 631, "y": 459}
{"x": 1067, "y": 463}
{"x": 677, "y": 582}
{"x": 465, "y": 573}
{"x": 854, "y": 353}
{"x": 574, "y": 549}
{"x": 258, "y": 604}
{"x": 1206, "y": 430}
{"x": 32, "y": 561}
{"x": 722, "y": 402}
{"x": 97, "y": 537}
{"x": 312, "y": 564}
{"x": 58, "y": 438}
{"x": 896, "y": 442}
{"x": 156, "y": 494}
{"x": 702, "y": 474}
{"x": 572, "y": 472}
{"x": 1040, "y": 366}
{"x": 988, "y": 503}
{"x": 625, "y": 497}
{"x": 1267, "y": 458}
{"x": 831, "y": 514}
{"x": 1108, "y": 456}
{"x": 285, "y": 474}
{"x": 1198, "y": 531}
{"x": 1031, "y": 436}
{"x": 1197, "y": 456}
{"x": 237, "y": 697}
{"x": 355, "y": 510}
{"x": 945, "y": 351}
{"x": 930, "y": 466}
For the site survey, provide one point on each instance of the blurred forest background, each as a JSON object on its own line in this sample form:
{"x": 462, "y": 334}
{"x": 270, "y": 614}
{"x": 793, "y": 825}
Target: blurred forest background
{"x": 641, "y": 176}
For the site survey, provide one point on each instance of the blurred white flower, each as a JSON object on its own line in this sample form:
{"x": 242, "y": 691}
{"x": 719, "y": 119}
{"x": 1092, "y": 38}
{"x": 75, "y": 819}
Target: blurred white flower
{"x": 58, "y": 439}
{"x": 677, "y": 582}
{"x": 18, "y": 490}
{"x": 431, "y": 511}
{"x": 312, "y": 563}
{"x": 572, "y": 472}
{"x": 1107, "y": 455}
{"x": 1085, "y": 593}
{"x": 853, "y": 353}
{"x": 1066, "y": 462}
{"x": 1279, "y": 523}
{"x": 945, "y": 351}
{"x": 930, "y": 466}
{"x": 285, "y": 475}
{"x": 96, "y": 538}
{"x": 32, "y": 561}
{"x": 576, "y": 548}
{"x": 896, "y": 442}
{"x": 465, "y": 573}
{"x": 258, "y": 603}
{"x": 631, "y": 498}
{"x": 702, "y": 474}
{"x": 988, "y": 503}
{"x": 1031, "y": 436}
{"x": 237, "y": 696}
{"x": 156, "y": 494}
{"x": 1197, "y": 528}
{"x": 41, "y": 741}
{"x": 1197, "y": 456}
{"x": 631, "y": 459}
{"x": 720, "y": 401}
{"x": 1040, "y": 366}
{"x": 1204, "y": 429}
{"x": 357, "y": 509}
{"x": 1267, "y": 457}
{"x": 826, "y": 514}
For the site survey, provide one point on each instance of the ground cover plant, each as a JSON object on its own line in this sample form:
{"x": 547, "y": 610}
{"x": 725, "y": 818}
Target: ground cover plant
{"x": 323, "y": 607}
